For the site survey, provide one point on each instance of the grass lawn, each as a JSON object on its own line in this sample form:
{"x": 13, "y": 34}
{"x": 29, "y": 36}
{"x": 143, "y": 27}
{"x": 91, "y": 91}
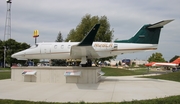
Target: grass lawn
{"x": 174, "y": 76}
{"x": 5, "y": 75}
{"x": 123, "y": 72}
{"x": 166, "y": 100}
{"x": 5, "y": 68}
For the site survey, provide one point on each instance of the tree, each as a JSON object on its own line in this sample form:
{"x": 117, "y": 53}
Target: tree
{"x": 58, "y": 62}
{"x": 11, "y": 46}
{"x": 1, "y": 51}
{"x": 156, "y": 57}
{"x": 133, "y": 64}
{"x": 120, "y": 63}
{"x": 59, "y": 37}
{"x": 104, "y": 33}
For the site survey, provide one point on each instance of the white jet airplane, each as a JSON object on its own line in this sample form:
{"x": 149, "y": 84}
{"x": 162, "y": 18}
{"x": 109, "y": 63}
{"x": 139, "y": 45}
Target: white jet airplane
{"x": 146, "y": 38}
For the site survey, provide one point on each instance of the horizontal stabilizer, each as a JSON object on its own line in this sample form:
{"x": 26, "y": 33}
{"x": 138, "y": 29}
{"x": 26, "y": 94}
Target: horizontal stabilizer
{"x": 160, "y": 24}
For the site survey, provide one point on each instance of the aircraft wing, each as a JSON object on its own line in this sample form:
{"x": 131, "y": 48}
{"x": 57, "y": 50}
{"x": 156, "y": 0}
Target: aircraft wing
{"x": 83, "y": 51}
{"x": 165, "y": 64}
{"x": 161, "y": 64}
{"x": 84, "y": 48}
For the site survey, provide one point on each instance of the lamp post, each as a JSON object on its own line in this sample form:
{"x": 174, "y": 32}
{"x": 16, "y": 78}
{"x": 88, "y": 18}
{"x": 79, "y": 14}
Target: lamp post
{"x": 4, "y": 56}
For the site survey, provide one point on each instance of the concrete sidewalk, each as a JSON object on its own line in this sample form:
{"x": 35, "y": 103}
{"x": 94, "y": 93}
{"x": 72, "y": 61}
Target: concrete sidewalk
{"x": 110, "y": 89}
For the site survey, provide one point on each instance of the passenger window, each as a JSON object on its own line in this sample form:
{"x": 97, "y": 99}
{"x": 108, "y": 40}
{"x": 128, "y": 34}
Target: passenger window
{"x": 62, "y": 46}
{"x": 55, "y": 46}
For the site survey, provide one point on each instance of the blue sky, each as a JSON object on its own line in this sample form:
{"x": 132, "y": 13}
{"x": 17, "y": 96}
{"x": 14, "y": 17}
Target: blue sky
{"x": 126, "y": 17}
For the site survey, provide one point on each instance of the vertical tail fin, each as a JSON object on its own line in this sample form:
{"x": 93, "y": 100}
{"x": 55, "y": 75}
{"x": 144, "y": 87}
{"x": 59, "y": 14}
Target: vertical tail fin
{"x": 148, "y": 34}
{"x": 89, "y": 38}
{"x": 177, "y": 61}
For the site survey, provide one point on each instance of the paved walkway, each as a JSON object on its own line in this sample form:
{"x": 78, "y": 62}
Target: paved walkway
{"x": 110, "y": 89}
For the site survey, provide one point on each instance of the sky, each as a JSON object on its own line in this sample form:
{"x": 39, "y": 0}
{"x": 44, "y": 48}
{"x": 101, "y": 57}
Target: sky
{"x": 126, "y": 17}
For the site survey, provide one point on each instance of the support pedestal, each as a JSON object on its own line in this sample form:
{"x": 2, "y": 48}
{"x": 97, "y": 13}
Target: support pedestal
{"x": 56, "y": 74}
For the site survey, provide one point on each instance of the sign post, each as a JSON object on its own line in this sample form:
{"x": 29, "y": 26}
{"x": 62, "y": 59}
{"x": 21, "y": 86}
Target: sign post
{"x": 35, "y": 35}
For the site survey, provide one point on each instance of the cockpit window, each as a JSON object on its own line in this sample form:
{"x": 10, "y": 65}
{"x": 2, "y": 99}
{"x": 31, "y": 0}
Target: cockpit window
{"x": 34, "y": 46}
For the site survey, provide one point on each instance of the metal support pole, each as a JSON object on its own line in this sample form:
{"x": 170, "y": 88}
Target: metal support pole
{"x": 4, "y": 56}
{"x": 35, "y": 40}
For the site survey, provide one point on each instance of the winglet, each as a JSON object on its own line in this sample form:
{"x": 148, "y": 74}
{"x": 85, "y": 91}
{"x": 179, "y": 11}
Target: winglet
{"x": 89, "y": 38}
{"x": 160, "y": 24}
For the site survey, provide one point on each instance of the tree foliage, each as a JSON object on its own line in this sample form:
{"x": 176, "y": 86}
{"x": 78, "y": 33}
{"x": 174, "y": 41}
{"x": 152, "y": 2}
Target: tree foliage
{"x": 10, "y": 47}
{"x": 156, "y": 57}
{"x": 59, "y": 37}
{"x": 58, "y": 62}
{"x": 104, "y": 33}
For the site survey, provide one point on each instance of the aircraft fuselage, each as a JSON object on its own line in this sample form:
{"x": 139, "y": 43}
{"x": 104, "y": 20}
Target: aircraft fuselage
{"x": 61, "y": 50}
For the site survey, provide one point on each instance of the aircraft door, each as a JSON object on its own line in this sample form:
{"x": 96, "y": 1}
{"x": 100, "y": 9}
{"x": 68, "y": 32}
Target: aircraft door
{"x": 115, "y": 46}
{"x": 46, "y": 51}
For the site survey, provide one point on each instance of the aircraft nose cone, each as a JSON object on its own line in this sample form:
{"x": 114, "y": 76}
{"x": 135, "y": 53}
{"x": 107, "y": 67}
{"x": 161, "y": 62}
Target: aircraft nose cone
{"x": 13, "y": 55}
{"x": 16, "y": 55}
{"x": 19, "y": 55}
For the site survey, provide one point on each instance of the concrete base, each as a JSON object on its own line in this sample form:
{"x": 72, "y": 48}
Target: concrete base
{"x": 87, "y": 75}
